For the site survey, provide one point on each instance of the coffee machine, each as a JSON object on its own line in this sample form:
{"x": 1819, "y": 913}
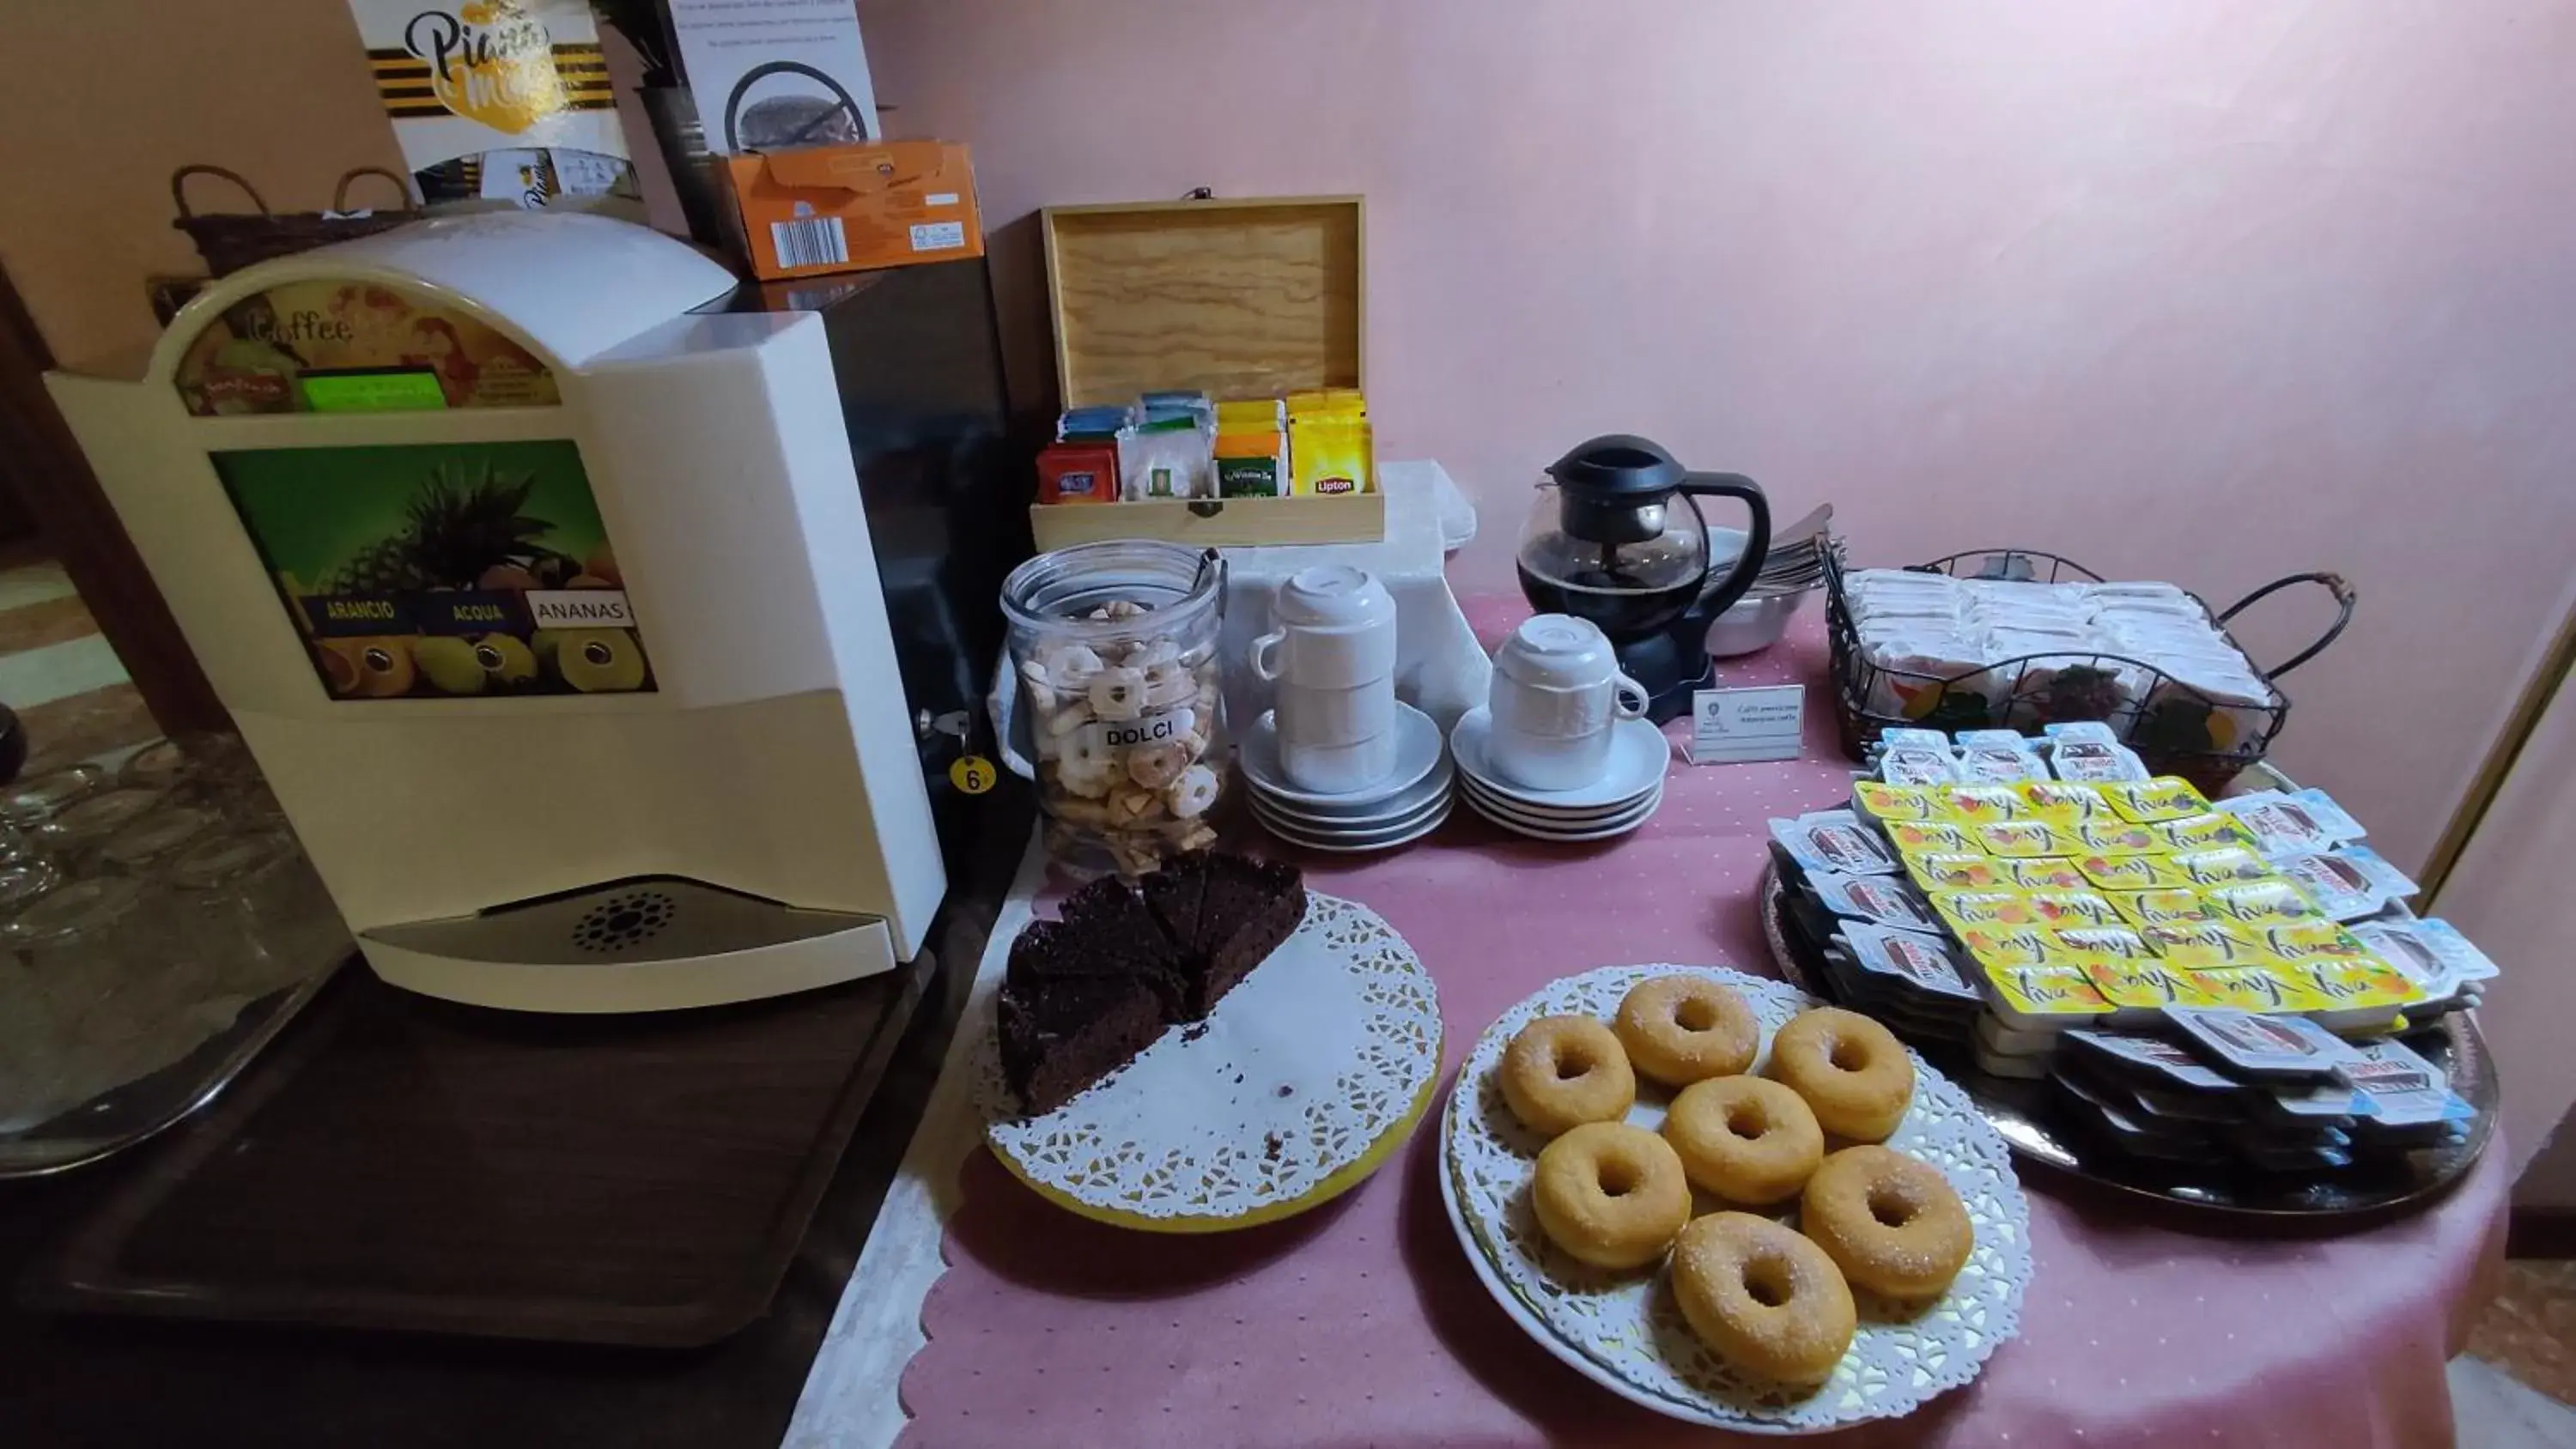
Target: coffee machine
{"x": 1605, "y": 542}
{"x": 548, "y": 605}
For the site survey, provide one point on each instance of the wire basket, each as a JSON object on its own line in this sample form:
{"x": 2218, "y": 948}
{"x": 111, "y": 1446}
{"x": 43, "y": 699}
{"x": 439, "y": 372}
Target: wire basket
{"x": 232, "y": 240}
{"x": 2176, "y": 728}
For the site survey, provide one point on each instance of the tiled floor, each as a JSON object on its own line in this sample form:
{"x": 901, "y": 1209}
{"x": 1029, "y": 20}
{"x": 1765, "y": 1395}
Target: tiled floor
{"x": 2530, "y": 1331}
{"x": 57, "y": 673}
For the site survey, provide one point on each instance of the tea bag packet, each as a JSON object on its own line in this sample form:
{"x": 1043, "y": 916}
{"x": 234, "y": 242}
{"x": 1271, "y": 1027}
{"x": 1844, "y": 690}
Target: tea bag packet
{"x": 1958, "y": 871}
{"x": 1975, "y": 805}
{"x": 1913, "y": 963}
{"x": 2260, "y": 903}
{"x": 2117, "y": 837}
{"x": 2149, "y": 594}
{"x": 2207, "y": 944}
{"x": 2150, "y": 801}
{"x": 1167, "y": 457}
{"x": 2251, "y": 1045}
{"x": 2041, "y": 873}
{"x": 2346, "y": 884}
{"x": 1884, "y": 899}
{"x": 1923, "y": 837}
{"x": 1887, "y": 804}
{"x": 1917, "y": 765}
{"x": 2130, "y": 872}
{"x": 1998, "y": 757}
{"x": 1833, "y": 840}
{"x": 2161, "y": 907}
{"x": 2403, "y": 1091}
{"x": 2026, "y": 839}
{"x": 2292, "y": 823}
{"x": 2088, "y": 751}
{"x": 2207, "y": 831}
{"x": 2042, "y": 997}
{"x": 2219, "y": 866}
{"x": 2078, "y": 907}
{"x": 2060, "y": 803}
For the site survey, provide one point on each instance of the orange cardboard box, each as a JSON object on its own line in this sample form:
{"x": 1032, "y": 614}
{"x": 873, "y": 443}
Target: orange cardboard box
{"x": 843, "y": 208}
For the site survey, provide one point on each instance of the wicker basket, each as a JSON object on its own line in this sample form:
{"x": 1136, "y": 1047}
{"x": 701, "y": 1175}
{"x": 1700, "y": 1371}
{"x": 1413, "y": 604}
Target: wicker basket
{"x": 232, "y": 240}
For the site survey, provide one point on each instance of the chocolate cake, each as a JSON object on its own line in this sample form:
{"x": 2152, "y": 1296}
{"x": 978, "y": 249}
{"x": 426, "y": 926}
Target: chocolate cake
{"x": 1084, "y": 993}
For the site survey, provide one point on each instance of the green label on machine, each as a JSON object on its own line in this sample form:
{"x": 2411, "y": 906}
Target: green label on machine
{"x": 372, "y": 390}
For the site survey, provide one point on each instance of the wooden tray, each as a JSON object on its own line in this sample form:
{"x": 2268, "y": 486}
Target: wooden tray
{"x": 406, "y": 1163}
{"x": 1250, "y": 297}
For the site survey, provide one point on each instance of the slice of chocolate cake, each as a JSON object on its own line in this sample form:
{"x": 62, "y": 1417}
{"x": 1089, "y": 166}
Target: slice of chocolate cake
{"x": 1061, "y": 1034}
{"x": 1246, "y": 908}
{"x": 1175, "y": 895}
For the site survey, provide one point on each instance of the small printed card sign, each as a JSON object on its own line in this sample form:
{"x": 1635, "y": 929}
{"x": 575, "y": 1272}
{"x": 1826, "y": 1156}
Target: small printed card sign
{"x": 1732, "y": 726}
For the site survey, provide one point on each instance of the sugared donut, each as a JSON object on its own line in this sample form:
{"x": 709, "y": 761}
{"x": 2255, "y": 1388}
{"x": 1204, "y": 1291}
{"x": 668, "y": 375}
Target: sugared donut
{"x": 1611, "y": 1194}
{"x": 1744, "y": 1139}
{"x": 1681, "y": 1029}
{"x": 1852, "y": 1071}
{"x": 1892, "y": 1223}
{"x": 1767, "y": 1300}
{"x": 1564, "y": 1071}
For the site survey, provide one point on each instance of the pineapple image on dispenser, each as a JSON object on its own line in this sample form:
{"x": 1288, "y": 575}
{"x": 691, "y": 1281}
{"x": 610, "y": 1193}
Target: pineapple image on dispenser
{"x": 462, "y": 530}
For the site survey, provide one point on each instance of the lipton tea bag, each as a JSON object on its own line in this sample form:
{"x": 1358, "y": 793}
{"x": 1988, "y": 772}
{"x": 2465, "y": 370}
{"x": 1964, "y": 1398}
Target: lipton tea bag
{"x": 1330, "y": 455}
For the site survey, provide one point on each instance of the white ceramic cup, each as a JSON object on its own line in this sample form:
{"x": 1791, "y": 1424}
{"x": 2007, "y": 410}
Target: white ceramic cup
{"x": 1557, "y": 691}
{"x": 1336, "y": 628}
{"x": 1339, "y": 769}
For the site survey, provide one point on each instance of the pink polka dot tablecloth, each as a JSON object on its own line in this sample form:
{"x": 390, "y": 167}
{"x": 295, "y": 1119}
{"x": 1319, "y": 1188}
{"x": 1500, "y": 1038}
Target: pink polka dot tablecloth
{"x": 1361, "y": 1324}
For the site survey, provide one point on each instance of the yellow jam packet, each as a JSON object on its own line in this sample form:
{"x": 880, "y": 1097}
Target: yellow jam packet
{"x": 2353, "y": 985}
{"x": 2104, "y": 943}
{"x": 2210, "y": 945}
{"x": 1983, "y": 804}
{"x": 2118, "y": 837}
{"x": 2042, "y": 873}
{"x": 2131, "y": 872}
{"x": 2256, "y": 988}
{"x": 2062, "y": 802}
{"x": 2205, "y": 831}
{"x": 2315, "y": 940}
{"x": 1951, "y": 871}
{"x": 2146, "y": 801}
{"x": 2026, "y": 996}
{"x": 2026, "y": 838}
{"x": 1894, "y": 802}
{"x": 2261, "y": 902}
{"x": 1984, "y": 908}
{"x": 2148, "y": 985}
{"x": 2073, "y": 908}
{"x": 2219, "y": 866}
{"x": 2000, "y": 946}
{"x": 2161, "y": 907}
{"x": 1932, "y": 835}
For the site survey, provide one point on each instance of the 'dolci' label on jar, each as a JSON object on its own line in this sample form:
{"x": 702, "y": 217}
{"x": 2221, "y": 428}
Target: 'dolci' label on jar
{"x": 1154, "y": 727}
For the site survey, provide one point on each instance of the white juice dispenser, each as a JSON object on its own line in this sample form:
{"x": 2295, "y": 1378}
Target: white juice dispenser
{"x": 547, "y": 608}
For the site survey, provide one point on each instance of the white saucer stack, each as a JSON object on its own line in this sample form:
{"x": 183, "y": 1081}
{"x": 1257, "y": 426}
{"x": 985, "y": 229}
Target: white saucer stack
{"x": 1398, "y": 808}
{"x": 1629, "y": 788}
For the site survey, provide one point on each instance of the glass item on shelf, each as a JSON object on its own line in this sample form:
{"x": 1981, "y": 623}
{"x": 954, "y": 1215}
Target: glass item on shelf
{"x": 1115, "y": 648}
{"x": 33, "y": 801}
{"x": 22, "y": 883}
{"x": 86, "y": 823}
{"x": 256, "y": 904}
{"x": 155, "y": 836}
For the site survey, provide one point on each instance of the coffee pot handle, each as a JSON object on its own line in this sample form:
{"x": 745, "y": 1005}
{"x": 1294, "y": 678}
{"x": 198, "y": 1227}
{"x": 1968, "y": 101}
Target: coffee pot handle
{"x": 1757, "y": 533}
{"x": 1262, "y": 656}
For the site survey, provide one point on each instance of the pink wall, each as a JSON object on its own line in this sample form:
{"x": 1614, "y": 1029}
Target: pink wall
{"x": 2210, "y": 290}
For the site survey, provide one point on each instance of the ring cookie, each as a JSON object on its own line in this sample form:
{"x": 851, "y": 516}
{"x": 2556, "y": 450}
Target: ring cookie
{"x": 1681, "y": 1029}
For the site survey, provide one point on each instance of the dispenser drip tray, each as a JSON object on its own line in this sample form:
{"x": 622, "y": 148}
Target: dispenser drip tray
{"x": 641, "y": 944}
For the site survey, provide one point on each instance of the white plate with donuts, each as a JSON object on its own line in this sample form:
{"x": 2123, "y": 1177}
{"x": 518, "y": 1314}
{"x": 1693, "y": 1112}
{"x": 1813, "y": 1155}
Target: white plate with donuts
{"x": 1710, "y": 1269}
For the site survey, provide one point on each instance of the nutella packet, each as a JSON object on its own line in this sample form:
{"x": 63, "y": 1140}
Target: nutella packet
{"x": 2152, "y": 1057}
{"x": 2149, "y": 801}
{"x": 1998, "y": 757}
{"x": 2261, "y": 902}
{"x": 2161, "y": 907}
{"x": 1917, "y": 757}
{"x": 1885, "y": 899}
{"x": 2292, "y": 822}
{"x": 1833, "y": 840}
{"x": 2219, "y": 866}
{"x": 1875, "y": 800}
{"x": 2040, "y": 996}
{"x": 2206, "y": 945}
{"x": 2090, "y": 751}
{"x": 2347, "y": 884}
{"x": 1939, "y": 870}
{"x": 2401, "y": 1088}
{"x": 2454, "y": 948}
{"x": 2118, "y": 837}
{"x": 2261, "y": 1046}
{"x": 2206, "y": 831}
{"x": 2026, "y": 838}
{"x": 2060, "y": 803}
{"x": 1912, "y": 960}
{"x": 1915, "y": 837}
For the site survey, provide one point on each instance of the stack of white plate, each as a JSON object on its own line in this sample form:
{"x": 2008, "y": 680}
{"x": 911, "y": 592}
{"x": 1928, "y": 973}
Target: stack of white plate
{"x": 1630, "y": 787}
{"x": 1405, "y": 806}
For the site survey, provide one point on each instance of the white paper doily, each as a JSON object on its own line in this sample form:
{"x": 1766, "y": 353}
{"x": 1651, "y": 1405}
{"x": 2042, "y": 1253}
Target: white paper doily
{"x": 1626, "y": 1332}
{"x": 1301, "y": 1075}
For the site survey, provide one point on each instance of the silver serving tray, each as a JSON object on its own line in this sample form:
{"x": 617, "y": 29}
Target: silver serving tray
{"x": 2021, "y": 1112}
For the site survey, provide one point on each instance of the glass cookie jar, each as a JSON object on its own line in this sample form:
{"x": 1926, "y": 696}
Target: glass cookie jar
{"x": 1115, "y": 649}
